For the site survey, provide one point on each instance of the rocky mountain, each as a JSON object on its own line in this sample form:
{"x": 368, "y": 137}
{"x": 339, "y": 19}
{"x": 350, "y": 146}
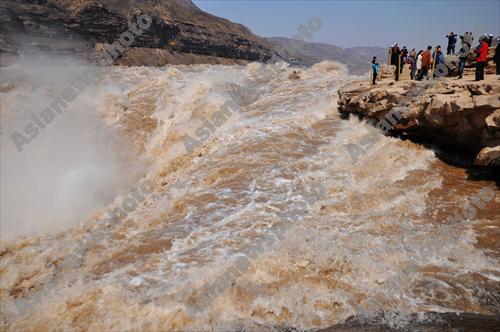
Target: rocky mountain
{"x": 180, "y": 33}
{"x": 76, "y": 26}
{"x": 357, "y": 59}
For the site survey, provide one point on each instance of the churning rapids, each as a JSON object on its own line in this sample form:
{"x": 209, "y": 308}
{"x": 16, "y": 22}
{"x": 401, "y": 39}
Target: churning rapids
{"x": 267, "y": 224}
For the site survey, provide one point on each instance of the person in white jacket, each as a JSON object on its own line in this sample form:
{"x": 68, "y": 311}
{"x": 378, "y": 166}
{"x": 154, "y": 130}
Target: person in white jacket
{"x": 419, "y": 65}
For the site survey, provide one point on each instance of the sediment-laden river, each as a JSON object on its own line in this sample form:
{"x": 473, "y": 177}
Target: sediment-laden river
{"x": 243, "y": 206}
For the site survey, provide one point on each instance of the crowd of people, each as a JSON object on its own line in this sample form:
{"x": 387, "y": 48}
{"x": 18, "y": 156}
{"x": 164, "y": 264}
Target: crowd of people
{"x": 420, "y": 63}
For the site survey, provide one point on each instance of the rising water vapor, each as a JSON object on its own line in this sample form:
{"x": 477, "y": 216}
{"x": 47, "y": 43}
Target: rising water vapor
{"x": 73, "y": 165}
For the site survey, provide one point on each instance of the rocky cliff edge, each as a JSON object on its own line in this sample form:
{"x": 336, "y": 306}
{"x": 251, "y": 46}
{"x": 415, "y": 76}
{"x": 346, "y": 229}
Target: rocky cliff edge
{"x": 465, "y": 114}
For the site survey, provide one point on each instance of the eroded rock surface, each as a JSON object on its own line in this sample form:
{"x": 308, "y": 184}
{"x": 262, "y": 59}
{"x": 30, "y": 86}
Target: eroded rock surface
{"x": 460, "y": 113}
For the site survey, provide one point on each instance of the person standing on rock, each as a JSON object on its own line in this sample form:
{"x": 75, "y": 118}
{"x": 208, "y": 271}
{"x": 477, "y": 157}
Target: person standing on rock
{"x": 412, "y": 60}
{"x": 452, "y": 40}
{"x": 462, "y": 59}
{"x": 481, "y": 59}
{"x": 395, "y": 54}
{"x": 463, "y": 55}
{"x": 496, "y": 57}
{"x": 426, "y": 62}
{"x": 440, "y": 60}
{"x": 419, "y": 65}
{"x": 375, "y": 68}
{"x": 467, "y": 40}
{"x": 404, "y": 55}
{"x": 439, "y": 55}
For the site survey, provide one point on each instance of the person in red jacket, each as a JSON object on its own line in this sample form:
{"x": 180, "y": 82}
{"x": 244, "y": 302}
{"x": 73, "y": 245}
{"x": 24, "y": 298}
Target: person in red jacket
{"x": 426, "y": 63}
{"x": 482, "y": 59}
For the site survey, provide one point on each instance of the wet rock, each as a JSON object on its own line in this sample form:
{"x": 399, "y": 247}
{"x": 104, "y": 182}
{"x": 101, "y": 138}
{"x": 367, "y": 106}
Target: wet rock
{"x": 488, "y": 157}
{"x": 430, "y": 322}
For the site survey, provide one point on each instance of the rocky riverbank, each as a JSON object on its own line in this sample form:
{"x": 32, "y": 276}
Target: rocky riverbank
{"x": 457, "y": 113}
{"x": 433, "y": 321}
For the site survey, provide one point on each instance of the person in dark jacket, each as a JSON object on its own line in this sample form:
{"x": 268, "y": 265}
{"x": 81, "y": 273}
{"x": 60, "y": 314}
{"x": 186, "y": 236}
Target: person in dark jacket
{"x": 481, "y": 59}
{"x": 404, "y": 55}
{"x": 439, "y": 56}
{"x": 452, "y": 40}
{"x": 496, "y": 57}
{"x": 462, "y": 59}
{"x": 395, "y": 58}
{"x": 404, "y": 51}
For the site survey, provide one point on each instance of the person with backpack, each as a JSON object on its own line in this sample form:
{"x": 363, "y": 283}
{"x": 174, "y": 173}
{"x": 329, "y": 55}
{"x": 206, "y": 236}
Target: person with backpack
{"x": 426, "y": 62}
{"x": 481, "y": 58}
{"x": 375, "y": 69}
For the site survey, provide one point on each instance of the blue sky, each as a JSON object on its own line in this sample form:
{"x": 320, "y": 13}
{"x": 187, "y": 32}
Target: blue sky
{"x": 363, "y": 23}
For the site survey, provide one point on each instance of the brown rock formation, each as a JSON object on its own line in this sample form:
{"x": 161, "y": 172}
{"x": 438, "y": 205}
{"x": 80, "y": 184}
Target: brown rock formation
{"x": 459, "y": 113}
{"x": 75, "y": 27}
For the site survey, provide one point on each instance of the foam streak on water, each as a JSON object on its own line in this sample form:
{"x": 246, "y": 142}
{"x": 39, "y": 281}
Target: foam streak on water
{"x": 367, "y": 245}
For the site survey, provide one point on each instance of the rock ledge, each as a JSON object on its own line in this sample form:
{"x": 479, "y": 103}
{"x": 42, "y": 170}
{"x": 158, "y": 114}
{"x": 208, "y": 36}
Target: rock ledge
{"x": 465, "y": 114}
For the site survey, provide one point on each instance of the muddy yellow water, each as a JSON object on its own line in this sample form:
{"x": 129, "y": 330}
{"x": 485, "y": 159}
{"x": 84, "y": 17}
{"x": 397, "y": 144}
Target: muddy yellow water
{"x": 269, "y": 223}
